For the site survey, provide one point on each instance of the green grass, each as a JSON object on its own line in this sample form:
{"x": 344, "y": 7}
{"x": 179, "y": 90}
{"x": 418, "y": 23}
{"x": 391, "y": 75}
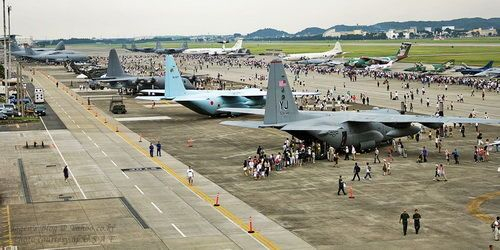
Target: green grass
{"x": 423, "y": 51}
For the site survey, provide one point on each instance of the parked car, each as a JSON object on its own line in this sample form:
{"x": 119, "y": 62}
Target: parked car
{"x": 8, "y": 109}
{"x": 40, "y": 110}
{"x": 3, "y": 116}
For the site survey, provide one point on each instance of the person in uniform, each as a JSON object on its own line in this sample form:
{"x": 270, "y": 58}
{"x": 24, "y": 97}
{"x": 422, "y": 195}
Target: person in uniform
{"x": 356, "y": 171}
{"x": 404, "y": 220}
{"x": 416, "y": 220}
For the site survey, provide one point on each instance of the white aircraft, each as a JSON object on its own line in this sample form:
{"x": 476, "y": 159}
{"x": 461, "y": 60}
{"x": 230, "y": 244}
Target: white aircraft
{"x": 337, "y": 50}
{"x": 386, "y": 66}
{"x": 215, "y": 51}
{"x": 207, "y": 102}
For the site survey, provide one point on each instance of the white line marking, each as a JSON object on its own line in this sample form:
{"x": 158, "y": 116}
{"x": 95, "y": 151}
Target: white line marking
{"x": 84, "y": 132}
{"x": 140, "y": 191}
{"x": 154, "y": 205}
{"x": 78, "y": 126}
{"x": 114, "y": 163}
{"x": 69, "y": 116}
{"x": 104, "y": 153}
{"x": 125, "y": 175}
{"x": 183, "y": 235}
{"x": 97, "y": 146}
{"x": 89, "y": 137}
{"x": 82, "y": 246}
{"x": 64, "y": 160}
{"x": 73, "y": 121}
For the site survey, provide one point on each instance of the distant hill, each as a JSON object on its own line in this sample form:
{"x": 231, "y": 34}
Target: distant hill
{"x": 267, "y": 33}
{"x": 312, "y": 31}
{"x": 462, "y": 23}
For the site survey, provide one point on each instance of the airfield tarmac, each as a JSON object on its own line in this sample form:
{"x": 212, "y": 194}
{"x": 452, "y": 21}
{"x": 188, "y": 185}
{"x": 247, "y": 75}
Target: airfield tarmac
{"x": 304, "y": 201}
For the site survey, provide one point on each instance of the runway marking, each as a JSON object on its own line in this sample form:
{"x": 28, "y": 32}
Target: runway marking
{"x": 64, "y": 160}
{"x": 114, "y": 163}
{"x": 89, "y": 137}
{"x": 73, "y": 121}
{"x": 97, "y": 146}
{"x": 78, "y": 126}
{"x": 125, "y": 175}
{"x": 57, "y": 248}
{"x": 265, "y": 242}
{"x": 473, "y": 207}
{"x": 157, "y": 208}
{"x": 84, "y": 132}
{"x": 178, "y": 230}
{"x": 104, "y": 153}
{"x": 69, "y": 116}
{"x": 140, "y": 191}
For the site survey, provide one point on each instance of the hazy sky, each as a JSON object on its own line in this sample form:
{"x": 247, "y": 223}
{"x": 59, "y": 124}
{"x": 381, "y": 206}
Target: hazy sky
{"x": 125, "y": 18}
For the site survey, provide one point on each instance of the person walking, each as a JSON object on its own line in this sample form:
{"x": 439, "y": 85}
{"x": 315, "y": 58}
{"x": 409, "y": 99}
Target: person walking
{"x": 404, "y": 220}
{"x": 190, "y": 175}
{"x": 424, "y": 153}
{"x": 341, "y": 186}
{"x": 375, "y": 158}
{"x": 368, "y": 172}
{"x": 151, "y": 149}
{"x": 356, "y": 171}
{"x": 455, "y": 156}
{"x": 416, "y": 220}
{"x": 66, "y": 173}
{"x": 158, "y": 149}
{"x": 495, "y": 226}
{"x": 353, "y": 152}
{"x": 346, "y": 153}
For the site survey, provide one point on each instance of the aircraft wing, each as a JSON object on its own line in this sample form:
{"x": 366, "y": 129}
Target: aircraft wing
{"x": 305, "y": 93}
{"x": 307, "y": 125}
{"x": 248, "y": 111}
{"x": 121, "y": 79}
{"x": 377, "y": 60}
{"x": 397, "y": 118}
{"x": 244, "y": 124}
{"x": 150, "y": 98}
{"x": 153, "y": 91}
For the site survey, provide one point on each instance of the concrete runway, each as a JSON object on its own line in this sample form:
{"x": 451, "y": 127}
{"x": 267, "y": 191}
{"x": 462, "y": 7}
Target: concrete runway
{"x": 302, "y": 200}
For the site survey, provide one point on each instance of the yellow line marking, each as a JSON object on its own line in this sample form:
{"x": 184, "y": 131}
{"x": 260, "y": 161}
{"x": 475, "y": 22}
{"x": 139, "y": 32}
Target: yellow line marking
{"x": 473, "y": 207}
{"x": 238, "y": 221}
{"x": 9, "y": 225}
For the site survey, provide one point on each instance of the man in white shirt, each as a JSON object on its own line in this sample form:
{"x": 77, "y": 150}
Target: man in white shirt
{"x": 496, "y": 228}
{"x": 190, "y": 175}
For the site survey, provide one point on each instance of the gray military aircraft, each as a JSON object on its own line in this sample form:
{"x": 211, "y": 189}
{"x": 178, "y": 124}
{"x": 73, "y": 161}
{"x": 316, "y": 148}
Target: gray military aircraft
{"x": 21, "y": 52}
{"x": 363, "y": 129}
{"x": 56, "y": 56}
{"x": 116, "y": 78}
{"x": 161, "y": 51}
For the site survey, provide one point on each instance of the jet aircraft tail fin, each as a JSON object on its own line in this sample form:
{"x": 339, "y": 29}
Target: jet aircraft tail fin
{"x": 337, "y": 49}
{"x": 14, "y": 46}
{"x": 184, "y": 45}
{"x": 488, "y": 65}
{"x": 60, "y": 46}
{"x": 238, "y": 45}
{"x": 280, "y": 103}
{"x": 403, "y": 51}
{"x": 173, "y": 82}
{"x": 29, "y": 51}
{"x": 114, "y": 66}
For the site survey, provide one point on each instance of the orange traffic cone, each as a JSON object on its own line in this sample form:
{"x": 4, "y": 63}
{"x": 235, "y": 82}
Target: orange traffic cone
{"x": 216, "y": 204}
{"x": 351, "y": 194}
{"x": 250, "y": 226}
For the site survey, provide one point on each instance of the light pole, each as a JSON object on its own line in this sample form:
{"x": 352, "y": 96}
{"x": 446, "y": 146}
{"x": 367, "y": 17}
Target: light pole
{"x": 9, "y": 8}
{"x": 5, "y": 53}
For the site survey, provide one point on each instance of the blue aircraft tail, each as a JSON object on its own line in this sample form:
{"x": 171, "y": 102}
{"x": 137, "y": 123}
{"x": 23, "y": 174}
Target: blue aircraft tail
{"x": 488, "y": 65}
{"x": 173, "y": 82}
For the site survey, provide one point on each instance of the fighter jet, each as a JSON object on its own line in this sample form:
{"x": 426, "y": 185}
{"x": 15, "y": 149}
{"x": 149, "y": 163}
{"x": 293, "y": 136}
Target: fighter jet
{"x": 208, "y": 102}
{"x": 216, "y": 51}
{"x": 337, "y": 50}
{"x": 365, "y": 61}
{"x": 116, "y": 78}
{"x": 363, "y": 129}
{"x": 491, "y": 72}
{"x": 466, "y": 70}
{"x": 162, "y": 51}
{"x": 432, "y": 68}
{"x": 56, "y": 56}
